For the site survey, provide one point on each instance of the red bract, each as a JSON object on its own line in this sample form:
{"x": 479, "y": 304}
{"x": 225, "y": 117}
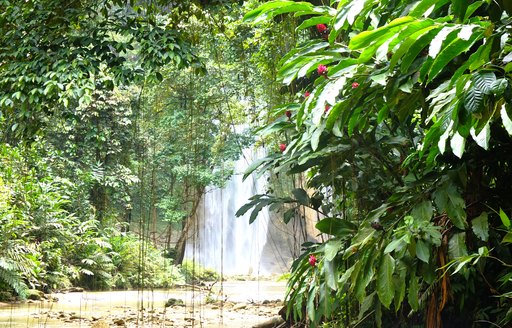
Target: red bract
{"x": 322, "y": 70}
{"x": 312, "y": 260}
{"x": 327, "y": 108}
{"x": 306, "y": 94}
{"x": 282, "y": 147}
{"x": 288, "y": 113}
{"x": 321, "y": 28}
{"x": 355, "y": 85}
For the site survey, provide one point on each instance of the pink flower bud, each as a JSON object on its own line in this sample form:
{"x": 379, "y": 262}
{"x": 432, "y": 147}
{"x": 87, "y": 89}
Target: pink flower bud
{"x": 327, "y": 108}
{"x": 312, "y": 260}
{"x": 288, "y": 113}
{"x": 321, "y": 28}
{"x": 322, "y": 70}
{"x": 307, "y": 94}
{"x": 282, "y": 147}
{"x": 355, "y": 85}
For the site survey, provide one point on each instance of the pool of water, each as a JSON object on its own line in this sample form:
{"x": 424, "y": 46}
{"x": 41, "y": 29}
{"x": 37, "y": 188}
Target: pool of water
{"x": 91, "y": 305}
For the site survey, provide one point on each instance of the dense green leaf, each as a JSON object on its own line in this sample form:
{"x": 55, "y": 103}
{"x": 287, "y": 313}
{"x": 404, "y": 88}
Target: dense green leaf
{"x": 272, "y": 8}
{"x": 364, "y": 39}
{"x": 336, "y": 227}
{"x": 423, "y": 211}
{"x": 457, "y": 245}
{"x": 480, "y": 226}
{"x": 458, "y": 46}
{"x": 301, "y": 196}
{"x": 423, "y": 250}
{"x": 448, "y": 200}
{"x": 413, "y": 293}
{"x": 505, "y": 118}
{"x": 504, "y": 219}
{"x": 385, "y": 286}
{"x": 332, "y": 247}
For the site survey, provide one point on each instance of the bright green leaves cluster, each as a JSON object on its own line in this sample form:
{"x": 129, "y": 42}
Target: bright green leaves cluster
{"x": 408, "y": 131}
{"x": 55, "y": 54}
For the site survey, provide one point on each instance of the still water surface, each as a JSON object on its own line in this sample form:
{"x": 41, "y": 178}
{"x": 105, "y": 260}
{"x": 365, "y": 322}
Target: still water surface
{"x": 126, "y": 303}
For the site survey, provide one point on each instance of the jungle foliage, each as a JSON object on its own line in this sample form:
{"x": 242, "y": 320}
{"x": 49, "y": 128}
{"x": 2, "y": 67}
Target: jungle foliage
{"x": 108, "y": 139}
{"x": 401, "y": 123}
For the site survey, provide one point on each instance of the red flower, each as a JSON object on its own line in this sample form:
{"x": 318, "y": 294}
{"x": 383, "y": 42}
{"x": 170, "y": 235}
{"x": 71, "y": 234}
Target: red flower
{"x": 322, "y": 70}
{"x": 288, "y": 113}
{"x": 282, "y": 147}
{"x": 321, "y": 28}
{"x": 312, "y": 260}
{"x": 355, "y": 85}
{"x": 327, "y": 108}
{"x": 306, "y": 94}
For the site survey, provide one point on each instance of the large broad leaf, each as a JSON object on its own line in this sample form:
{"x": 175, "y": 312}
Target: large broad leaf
{"x": 423, "y": 250}
{"x": 347, "y": 14}
{"x": 505, "y": 118}
{"x": 504, "y": 219}
{"x": 417, "y": 46}
{"x": 449, "y": 200}
{"x": 457, "y": 246}
{"x": 366, "y": 305}
{"x": 301, "y": 196}
{"x": 482, "y": 139}
{"x": 425, "y": 7}
{"x": 366, "y": 38}
{"x": 484, "y": 81}
{"x": 480, "y": 226}
{"x": 273, "y": 8}
{"x": 331, "y": 274}
{"x": 396, "y": 244}
{"x": 336, "y": 227}
{"x": 458, "y": 144}
{"x": 385, "y": 287}
{"x": 399, "y": 282}
{"x": 331, "y": 249}
{"x": 454, "y": 49}
{"x": 426, "y": 25}
{"x": 413, "y": 296}
{"x": 423, "y": 211}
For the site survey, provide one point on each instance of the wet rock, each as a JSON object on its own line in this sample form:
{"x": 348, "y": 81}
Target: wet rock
{"x": 34, "y": 294}
{"x": 239, "y": 306}
{"x": 73, "y": 290}
{"x": 270, "y": 323}
{"x": 74, "y": 317}
{"x": 100, "y": 324}
{"x": 119, "y": 322}
{"x": 174, "y": 302}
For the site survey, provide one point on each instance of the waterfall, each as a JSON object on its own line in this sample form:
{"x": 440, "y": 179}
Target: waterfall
{"x": 224, "y": 242}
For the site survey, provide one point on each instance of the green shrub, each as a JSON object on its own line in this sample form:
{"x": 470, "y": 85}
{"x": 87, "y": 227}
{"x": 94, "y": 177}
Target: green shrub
{"x": 194, "y": 273}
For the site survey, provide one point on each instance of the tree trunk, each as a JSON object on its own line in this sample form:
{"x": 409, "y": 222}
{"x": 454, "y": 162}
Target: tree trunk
{"x": 187, "y": 224}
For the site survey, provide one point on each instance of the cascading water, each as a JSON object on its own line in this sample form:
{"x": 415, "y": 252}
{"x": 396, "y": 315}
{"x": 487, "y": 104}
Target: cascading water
{"x": 224, "y": 242}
